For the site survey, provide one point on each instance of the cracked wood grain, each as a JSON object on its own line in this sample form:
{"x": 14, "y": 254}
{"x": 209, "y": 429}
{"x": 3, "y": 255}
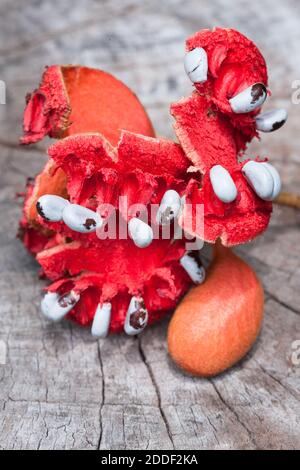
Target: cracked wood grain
{"x": 61, "y": 390}
{"x": 156, "y": 387}
{"x": 131, "y": 416}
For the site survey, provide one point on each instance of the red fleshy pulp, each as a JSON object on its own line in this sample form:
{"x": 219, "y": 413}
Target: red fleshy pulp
{"x": 116, "y": 270}
{"x": 139, "y": 168}
{"x": 207, "y": 139}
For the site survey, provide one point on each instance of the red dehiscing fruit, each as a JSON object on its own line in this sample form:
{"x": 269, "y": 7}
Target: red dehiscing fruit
{"x": 216, "y": 324}
{"x": 101, "y": 157}
{"x": 106, "y": 150}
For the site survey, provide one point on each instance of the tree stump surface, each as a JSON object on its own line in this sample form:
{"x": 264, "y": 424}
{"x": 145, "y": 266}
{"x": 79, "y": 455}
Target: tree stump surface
{"x": 58, "y": 388}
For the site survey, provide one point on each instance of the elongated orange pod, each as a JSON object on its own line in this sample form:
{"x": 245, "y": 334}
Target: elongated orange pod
{"x": 217, "y": 322}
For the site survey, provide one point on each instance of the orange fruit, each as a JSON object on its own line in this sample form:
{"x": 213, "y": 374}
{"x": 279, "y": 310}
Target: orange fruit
{"x": 217, "y": 322}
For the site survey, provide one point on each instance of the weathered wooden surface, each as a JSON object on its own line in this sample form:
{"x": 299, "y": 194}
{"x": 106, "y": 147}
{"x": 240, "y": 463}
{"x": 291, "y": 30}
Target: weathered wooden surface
{"x": 61, "y": 390}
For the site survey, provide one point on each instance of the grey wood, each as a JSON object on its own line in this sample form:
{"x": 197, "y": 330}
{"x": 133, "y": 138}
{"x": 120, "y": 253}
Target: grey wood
{"x": 58, "y": 388}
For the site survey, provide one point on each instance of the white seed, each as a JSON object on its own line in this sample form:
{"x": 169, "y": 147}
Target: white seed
{"x": 169, "y": 207}
{"x": 101, "y": 320}
{"x": 276, "y": 179}
{"x": 136, "y": 317}
{"x": 271, "y": 120}
{"x": 249, "y": 99}
{"x": 51, "y": 207}
{"x": 191, "y": 263}
{"x": 140, "y": 232}
{"x": 260, "y": 179}
{"x": 223, "y": 184}
{"x": 195, "y": 65}
{"x": 55, "y": 307}
{"x": 81, "y": 219}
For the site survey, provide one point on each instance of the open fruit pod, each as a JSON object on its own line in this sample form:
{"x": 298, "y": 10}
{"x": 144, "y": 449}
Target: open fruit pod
{"x": 110, "y": 281}
{"x": 116, "y": 217}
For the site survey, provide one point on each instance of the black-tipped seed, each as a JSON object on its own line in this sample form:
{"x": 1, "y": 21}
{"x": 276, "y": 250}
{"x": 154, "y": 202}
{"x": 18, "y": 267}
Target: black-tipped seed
{"x": 40, "y": 211}
{"x": 89, "y": 223}
{"x": 271, "y": 120}
{"x": 67, "y": 300}
{"x": 138, "y": 317}
{"x": 258, "y": 91}
{"x": 278, "y": 125}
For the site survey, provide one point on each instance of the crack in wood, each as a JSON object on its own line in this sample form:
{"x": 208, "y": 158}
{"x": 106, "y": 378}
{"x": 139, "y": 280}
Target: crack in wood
{"x": 234, "y": 412}
{"x": 280, "y": 302}
{"x": 278, "y": 381}
{"x": 102, "y": 397}
{"x": 156, "y": 388}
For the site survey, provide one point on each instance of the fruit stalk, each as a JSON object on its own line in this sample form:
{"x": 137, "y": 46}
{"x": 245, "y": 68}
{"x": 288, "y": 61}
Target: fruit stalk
{"x": 288, "y": 199}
